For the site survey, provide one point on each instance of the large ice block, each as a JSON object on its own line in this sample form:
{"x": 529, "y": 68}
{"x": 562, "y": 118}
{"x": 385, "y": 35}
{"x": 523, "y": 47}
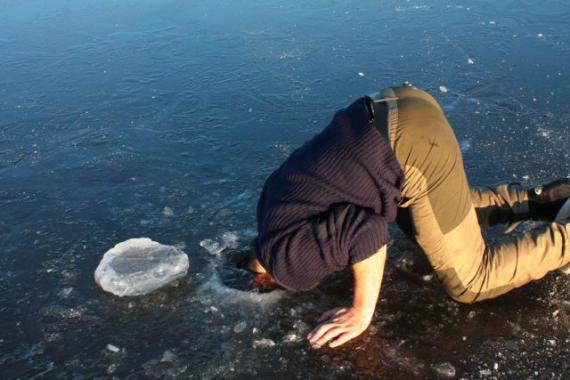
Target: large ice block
{"x": 139, "y": 266}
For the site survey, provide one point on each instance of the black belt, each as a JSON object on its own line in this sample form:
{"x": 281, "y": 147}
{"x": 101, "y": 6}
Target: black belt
{"x": 378, "y": 113}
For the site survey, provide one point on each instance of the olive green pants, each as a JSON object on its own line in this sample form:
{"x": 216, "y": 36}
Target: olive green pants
{"x": 444, "y": 214}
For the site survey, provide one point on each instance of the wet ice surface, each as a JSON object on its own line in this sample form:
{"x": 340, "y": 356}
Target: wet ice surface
{"x": 164, "y": 120}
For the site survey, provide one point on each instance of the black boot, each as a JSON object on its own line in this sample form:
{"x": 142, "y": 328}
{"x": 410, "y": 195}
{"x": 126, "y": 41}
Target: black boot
{"x": 545, "y": 202}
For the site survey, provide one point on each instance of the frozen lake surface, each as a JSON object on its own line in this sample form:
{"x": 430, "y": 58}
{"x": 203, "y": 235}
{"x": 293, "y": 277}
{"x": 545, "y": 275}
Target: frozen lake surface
{"x": 135, "y": 118}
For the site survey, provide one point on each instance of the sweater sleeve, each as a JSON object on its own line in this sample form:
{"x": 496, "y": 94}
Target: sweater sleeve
{"x": 317, "y": 247}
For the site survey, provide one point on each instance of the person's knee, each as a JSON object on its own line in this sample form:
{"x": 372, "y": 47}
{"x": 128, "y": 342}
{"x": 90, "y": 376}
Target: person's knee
{"x": 463, "y": 296}
{"x": 460, "y": 291}
{"x": 426, "y": 96}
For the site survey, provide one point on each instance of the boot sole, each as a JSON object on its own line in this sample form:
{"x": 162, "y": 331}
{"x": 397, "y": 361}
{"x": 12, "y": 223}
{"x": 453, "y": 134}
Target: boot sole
{"x": 563, "y": 214}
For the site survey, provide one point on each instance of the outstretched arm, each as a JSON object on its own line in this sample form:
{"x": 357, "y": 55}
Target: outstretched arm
{"x": 338, "y": 326}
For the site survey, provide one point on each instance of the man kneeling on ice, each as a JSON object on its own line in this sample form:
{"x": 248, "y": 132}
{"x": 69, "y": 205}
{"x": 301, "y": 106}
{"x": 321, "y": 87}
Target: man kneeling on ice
{"x": 393, "y": 156}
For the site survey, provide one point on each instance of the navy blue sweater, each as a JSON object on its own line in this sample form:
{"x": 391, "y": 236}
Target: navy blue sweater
{"x": 329, "y": 204}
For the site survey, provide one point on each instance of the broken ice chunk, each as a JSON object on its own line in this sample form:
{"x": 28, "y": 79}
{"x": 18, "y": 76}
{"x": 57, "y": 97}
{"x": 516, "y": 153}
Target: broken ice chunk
{"x": 212, "y": 246}
{"x": 65, "y": 292}
{"x": 470, "y": 61}
{"x": 443, "y": 89}
{"x": 169, "y": 357}
{"x": 167, "y": 212}
{"x": 444, "y": 369}
{"x": 139, "y": 266}
{"x": 291, "y": 338}
{"x": 230, "y": 239}
{"x": 240, "y": 327}
{"x": 263, "y": 343}
{"x": 114, "y": 349}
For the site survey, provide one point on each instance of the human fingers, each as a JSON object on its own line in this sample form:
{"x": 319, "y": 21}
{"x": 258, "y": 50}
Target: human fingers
{"x": 329, "y": 314}
{"x": 319, "y": 331}
{"x": 342, "y": 339}
{"x": 329, "y": 335}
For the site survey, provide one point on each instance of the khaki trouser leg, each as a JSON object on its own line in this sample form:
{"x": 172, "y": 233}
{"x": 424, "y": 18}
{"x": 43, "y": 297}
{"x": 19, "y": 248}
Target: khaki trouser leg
{"x": 442, "y": 210}
{"x": 506, "y": 203}
{"x": 471, "y": 270}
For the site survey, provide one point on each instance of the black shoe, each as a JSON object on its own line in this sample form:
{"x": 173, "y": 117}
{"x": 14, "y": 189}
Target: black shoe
{"x": 547, "y": 202}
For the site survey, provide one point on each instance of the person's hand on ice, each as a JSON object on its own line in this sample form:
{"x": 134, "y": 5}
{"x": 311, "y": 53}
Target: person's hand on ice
{"x": 338, "y": 326}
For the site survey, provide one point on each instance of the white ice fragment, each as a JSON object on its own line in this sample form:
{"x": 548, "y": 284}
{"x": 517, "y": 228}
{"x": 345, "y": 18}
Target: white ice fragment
{"x": 443, "y": 89}
{"x": 492, "y": 22}
{"x": 485, "y": 372}
{"x": 470, "y": 61}
{"x": 540, "y": 35}
{"x": 525, "y": 177}
{"x": 301, "y": 327}
{"x": 250, "y": 110}
{"x": 139, "y": 266}
{"x": 555, "y": 313}
{"x": 230, "y": 239}
{"x": 112, "y": 368}
{"x": 496, "y": 366}
{"x": 361, "y": 74}
{"x": 263, "y": 343}
{"x": 65, "y": 292}
{"x": 167, "y": 211}
{"x": 114, "y": 349}
{"x": 427, "y": 277}
{"x": 240, "y": 327}
{"x": 212, "y": 246}
{"x": 291, "y": 338}
{"x": 169, "y": 357}
{"x": 552, "y": 342}
{"x": 446, "y": 370}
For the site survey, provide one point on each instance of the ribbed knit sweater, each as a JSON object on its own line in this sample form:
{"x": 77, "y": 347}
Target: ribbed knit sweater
{"x": 329, "y": 204}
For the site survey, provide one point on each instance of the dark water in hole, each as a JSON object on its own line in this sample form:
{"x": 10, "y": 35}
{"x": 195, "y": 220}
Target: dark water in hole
{"x": 129, "y": 118}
